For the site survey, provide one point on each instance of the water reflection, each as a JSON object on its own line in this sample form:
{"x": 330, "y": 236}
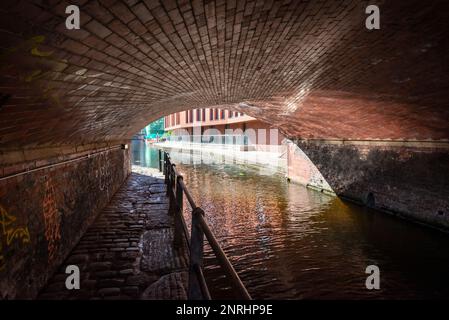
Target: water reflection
{"x": 289, "y": 242}
{"x": 142, "y": 155}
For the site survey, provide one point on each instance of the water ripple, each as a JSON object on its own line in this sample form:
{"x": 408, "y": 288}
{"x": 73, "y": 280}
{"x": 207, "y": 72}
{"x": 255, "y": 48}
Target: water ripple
{"x": 289, "y": 242}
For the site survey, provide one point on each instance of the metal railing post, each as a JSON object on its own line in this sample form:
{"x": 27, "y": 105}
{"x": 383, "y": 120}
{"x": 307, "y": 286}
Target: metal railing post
{"x": 170, "y": 191}
{"x": 167, "y": 178}
{"x": 166, "y": 169}
{"x": 197, "y": 287}
{"x": 173, "y": 178}
{"x": 196, "y": 255}
{"x": 160, "y": 159}
{"x": 177, "y": 237}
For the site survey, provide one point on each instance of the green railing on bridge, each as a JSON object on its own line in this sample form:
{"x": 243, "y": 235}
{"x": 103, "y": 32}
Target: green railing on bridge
{"x": 176, "y": 189}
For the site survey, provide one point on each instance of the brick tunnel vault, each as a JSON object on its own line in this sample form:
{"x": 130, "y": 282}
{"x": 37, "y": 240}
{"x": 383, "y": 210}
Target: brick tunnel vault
{"x": 369, "y": 107}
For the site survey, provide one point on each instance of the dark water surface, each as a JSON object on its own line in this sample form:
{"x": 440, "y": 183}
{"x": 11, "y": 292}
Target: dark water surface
{"x": 290, "y": 242}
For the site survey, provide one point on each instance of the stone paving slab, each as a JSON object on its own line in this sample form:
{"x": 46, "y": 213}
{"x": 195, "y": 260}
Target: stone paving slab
{"x": 127, "y": 253}
{"x": 158, "y": 255}
{"x": 172, "y": 284}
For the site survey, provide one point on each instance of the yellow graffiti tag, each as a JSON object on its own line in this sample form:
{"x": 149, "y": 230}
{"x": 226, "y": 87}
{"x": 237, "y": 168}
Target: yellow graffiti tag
{"x": 33, "y": 76}
{"x": 36, "y": 52}
{"x": 11, "y": 232}
{"x": 16, "y": 61}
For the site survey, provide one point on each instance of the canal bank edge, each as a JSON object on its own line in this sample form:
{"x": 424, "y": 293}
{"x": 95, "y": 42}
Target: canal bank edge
{"x": 405, "y": 180}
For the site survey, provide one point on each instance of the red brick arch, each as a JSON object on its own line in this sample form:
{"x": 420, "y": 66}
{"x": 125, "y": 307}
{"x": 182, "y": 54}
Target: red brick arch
{"x": 350, "y": 96}
{"x": 311, "y": 68}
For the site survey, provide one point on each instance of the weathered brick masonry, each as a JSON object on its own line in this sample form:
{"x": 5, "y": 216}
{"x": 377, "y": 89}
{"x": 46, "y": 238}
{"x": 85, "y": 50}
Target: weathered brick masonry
{"x": 310, "y": 68}
{"x": 410, "y": 181}
{"x": 44, "y": 213}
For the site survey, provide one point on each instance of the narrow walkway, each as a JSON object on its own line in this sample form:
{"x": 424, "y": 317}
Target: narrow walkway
{"x": 127, "y": 253}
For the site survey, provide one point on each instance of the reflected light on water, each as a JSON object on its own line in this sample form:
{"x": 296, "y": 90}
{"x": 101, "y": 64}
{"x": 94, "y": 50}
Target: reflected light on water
{"x": 290, "y": 242}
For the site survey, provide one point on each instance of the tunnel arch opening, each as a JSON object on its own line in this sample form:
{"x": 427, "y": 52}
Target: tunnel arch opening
{"x": 209, "y": 128}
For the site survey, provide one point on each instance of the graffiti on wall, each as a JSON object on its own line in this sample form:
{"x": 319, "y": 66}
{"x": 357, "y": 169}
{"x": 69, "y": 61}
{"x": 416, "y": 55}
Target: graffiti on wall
{"x": 10, "y": 232}
{"x": 28, "y": 63}
{"x": 104, "y": 174}
{"x": 52, "y": 220}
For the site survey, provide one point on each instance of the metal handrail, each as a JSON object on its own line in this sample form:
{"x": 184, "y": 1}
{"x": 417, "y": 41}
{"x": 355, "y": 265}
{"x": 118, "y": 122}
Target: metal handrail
{"x": 223, "y": 259}
{"x": 176, "y": 189}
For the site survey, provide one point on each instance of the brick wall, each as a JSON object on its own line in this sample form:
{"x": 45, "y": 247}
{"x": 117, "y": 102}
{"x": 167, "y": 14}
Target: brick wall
{"x": 410, "y": 181}
{"x": 310, "y": 68}
{"x": 44, "y": 213}
{"x": 303, "y": 171}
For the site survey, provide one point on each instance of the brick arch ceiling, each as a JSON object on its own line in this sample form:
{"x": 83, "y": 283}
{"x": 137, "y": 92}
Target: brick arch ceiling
{"x": 309, "y": 67}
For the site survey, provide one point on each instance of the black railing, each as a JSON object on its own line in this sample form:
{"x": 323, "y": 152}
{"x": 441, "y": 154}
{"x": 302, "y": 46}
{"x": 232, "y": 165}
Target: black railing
{"x": 176, "y": 189}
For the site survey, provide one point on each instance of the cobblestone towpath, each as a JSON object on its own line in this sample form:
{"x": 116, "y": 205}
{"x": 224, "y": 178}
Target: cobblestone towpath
{"x": 127, "y": 253}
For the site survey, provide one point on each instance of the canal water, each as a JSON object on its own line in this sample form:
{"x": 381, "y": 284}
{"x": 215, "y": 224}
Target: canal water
{"x": 290, "y": 242}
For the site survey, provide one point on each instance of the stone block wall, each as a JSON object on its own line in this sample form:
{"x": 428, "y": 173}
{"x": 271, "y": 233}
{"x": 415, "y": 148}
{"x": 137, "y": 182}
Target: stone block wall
{"x": 44, "y": 213}
{"x": 410, "y": 180}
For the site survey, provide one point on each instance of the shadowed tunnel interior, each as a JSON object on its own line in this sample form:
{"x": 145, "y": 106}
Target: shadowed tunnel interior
{"x": 369, "y": 107}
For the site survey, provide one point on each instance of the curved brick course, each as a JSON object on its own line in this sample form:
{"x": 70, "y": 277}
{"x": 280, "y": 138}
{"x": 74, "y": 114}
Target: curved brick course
{"x": 309, "y": 67}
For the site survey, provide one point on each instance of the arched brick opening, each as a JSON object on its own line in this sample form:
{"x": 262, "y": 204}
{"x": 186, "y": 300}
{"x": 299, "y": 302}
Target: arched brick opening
{"x": 369, "y": 108}
{"x": 311, "y": 68}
